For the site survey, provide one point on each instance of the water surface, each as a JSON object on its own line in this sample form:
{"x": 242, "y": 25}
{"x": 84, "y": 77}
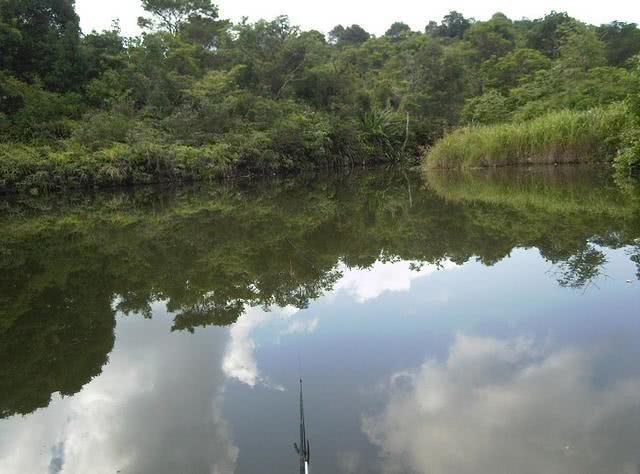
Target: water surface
{"x": 447, "y": 324}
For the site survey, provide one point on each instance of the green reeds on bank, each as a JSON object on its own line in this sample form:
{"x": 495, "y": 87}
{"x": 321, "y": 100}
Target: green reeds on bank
{"x": 558, "y": 137}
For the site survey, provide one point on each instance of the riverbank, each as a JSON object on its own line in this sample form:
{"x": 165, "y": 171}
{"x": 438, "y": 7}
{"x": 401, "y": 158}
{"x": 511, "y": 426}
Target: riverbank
{"x": 558, "y": 137}
{"x": 35, "y": 170}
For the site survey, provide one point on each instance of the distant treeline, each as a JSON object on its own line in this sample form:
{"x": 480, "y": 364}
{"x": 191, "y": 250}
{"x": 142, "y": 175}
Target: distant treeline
{"x": 196, "y": 96}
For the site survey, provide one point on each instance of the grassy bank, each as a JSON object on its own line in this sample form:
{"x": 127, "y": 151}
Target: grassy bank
{"x": 558, "y": 137}
{"x": 25, "y": 168}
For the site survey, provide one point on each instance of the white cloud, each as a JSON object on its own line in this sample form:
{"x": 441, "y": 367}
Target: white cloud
{"x": 504, "y": 406}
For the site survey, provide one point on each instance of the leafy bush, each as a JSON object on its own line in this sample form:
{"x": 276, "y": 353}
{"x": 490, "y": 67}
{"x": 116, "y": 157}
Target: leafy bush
{"x": 491, "y": 107}
{"x": 102, "y": 129}
{"x": 34, "y": 115}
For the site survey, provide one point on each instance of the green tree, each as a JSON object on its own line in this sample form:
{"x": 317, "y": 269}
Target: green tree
{"x": 172, "y": 15}
{"x": 397, "y": 29}
{"x": 507, "y": 71}
{"x": 495, "y": 37}
{"x": 41, "y": 40}
{"x": 547, "y": 34}
{"x": 351, "y": 35}
{"x": 622, "y": 41}
{"x": 491, "y": 107}
{"x": 104, "y": 51}
{"x": 581, "y": 48}
{"x": 454, "y": 25}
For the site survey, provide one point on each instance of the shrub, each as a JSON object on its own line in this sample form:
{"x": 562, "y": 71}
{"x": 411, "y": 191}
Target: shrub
{"x": 491, "y": 107}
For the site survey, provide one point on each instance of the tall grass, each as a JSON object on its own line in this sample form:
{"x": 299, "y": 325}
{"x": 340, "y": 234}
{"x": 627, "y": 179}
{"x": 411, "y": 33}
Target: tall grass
{"x": 558, "y": 137}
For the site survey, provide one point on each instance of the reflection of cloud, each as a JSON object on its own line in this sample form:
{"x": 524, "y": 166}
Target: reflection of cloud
{"x": 299, "y": 326}
{"x": 382, "y": 277}
{"x": 239, "y": 359}
{"x": 501, "y": 407}
{"x": 363, "y": 284}
{"x": 156, "y": 408}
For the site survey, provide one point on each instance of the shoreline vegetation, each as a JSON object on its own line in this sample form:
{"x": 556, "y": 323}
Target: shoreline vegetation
{"x": 196, "y": 97}
{"x": 555, "y": 138}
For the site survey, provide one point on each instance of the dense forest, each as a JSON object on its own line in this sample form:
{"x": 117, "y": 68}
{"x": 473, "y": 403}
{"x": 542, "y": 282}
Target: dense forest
{"x": 197, "y": 97}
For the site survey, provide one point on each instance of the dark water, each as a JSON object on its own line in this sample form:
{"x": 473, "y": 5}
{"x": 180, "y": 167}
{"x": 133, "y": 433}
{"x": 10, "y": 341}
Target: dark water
{"x": 462, "y": 324}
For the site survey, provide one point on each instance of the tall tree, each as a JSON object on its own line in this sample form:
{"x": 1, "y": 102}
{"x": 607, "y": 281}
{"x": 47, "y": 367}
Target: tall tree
{"x": 397, "y": 29}
{"x": 454, "y": 25}
{"x": 172, "y": 15}
{"x": 494, "y": 37}
{"x": 350, "y": 35}
{"x": 546, "y": 34}
{"x": 622, "y": 41}
{"x": 41, "y": 40}
{"x": 582, "y": 48}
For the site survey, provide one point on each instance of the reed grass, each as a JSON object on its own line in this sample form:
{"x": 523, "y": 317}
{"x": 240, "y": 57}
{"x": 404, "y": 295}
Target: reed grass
{"x": 558, "y": 137}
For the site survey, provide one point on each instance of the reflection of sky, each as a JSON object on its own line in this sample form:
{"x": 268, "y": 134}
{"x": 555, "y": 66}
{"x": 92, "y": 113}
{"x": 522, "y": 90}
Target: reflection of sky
{"x": 466, "y": 368}
{"x": 502, "y": 406}
{"x": 522, "y": 331}
{"x": 360, "y": 284}
{"x": 156, "y": 408}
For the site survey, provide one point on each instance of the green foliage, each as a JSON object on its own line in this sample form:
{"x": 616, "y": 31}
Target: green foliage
{"x": 382, "y": 131}
{"x": 622, "y": 41}
{"x": 490, "y": 107}
{"x": 495, "y": 37}
{"x": 508, "y": 71}
{"x": 103, "y": 129}
{"x": 33, "y": 114}
{"x": 453, "y": 25}
{"x": 547, "y": 34}
{"x": 40, "y": 169}
{"x": 351, "y": 35}
{"x": 173, "y": 15}
{"x": 581, "y": 48}
{"x": 397, "y": 29}
{"x": 41, "y": 40}
{"x": 557, "y": 89}
{"x": 628, "y": 159}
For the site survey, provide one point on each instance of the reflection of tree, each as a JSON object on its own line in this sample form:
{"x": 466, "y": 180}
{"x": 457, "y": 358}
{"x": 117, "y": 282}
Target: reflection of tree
{"x": 58, "y": 345}
{"x": 208, "y": 312}
{"x": 210, "y": 254}
{"x": 560, "y": 211}
{"x": 582, "y": 269}
{"x": 634, "y": 255}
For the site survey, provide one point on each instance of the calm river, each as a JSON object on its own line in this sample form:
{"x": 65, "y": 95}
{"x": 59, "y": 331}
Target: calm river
{"x": 453, "y": 324}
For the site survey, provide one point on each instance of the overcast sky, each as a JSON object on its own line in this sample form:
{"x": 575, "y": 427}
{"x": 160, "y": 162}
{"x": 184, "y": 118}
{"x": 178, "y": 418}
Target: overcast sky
{"x": 374, "y": 15}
